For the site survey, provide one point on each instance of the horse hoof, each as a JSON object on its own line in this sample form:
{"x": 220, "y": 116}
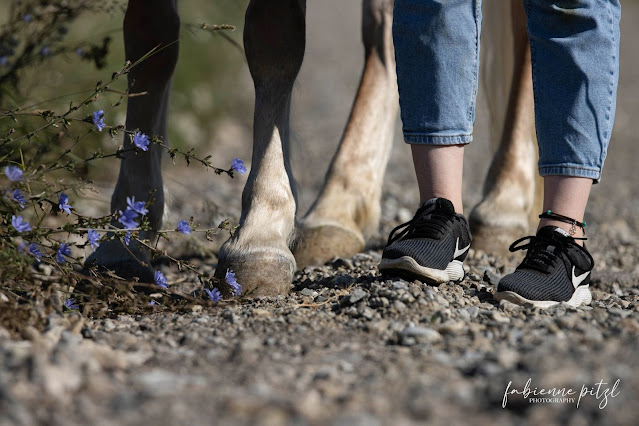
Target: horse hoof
{"x": 127, "y": 262}
{"x": 495, "y": 239}
{"x": 261, "y": 273}
{"x": 319, "y": 244}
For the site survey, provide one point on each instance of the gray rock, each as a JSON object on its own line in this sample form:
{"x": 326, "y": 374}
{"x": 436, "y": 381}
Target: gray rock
{"x": 357, "y": 295}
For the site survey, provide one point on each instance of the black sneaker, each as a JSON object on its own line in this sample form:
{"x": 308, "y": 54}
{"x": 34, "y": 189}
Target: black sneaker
{"x": 556, "y": 269}
{"x": 431, "y": 247}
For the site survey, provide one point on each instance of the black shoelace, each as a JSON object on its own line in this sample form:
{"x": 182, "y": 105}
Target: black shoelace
{"x": 429, "y": 222}
{"x": 539, "y": 257}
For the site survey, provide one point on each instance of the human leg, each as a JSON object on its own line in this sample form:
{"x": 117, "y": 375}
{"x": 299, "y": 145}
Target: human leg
{"x": 437, "y": 55}
{"x": 575, "y": 59}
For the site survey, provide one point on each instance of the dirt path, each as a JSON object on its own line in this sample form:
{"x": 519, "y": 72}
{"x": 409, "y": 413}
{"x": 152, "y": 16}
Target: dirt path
{"x": 346, "y": 347}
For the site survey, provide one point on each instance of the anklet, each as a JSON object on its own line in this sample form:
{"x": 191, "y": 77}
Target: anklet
{"x": 549, "y": 214}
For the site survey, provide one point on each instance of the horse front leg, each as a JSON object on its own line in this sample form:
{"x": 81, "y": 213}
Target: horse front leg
{"x": 145, "y": 28}
{"x": 512, "y": 191}
{"x": 347, "y": 210}
{"x": 258, "y": 252}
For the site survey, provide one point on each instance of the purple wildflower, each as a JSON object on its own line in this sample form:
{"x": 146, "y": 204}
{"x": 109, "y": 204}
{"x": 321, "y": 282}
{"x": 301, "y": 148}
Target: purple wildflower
{"x": 214, "y": 294}
{"x": 92, "y": 237}
{"x": 238, "y": 166}
{"x": 45, "y": 51}
{"x": 14, "y": 173}
{"x": 183, "y": 227}
{"x": 63, "y": 203}
{"x": 230, "y": 280}
{"x": 70, "y": 303}
{"x": 27, "y": 17}
{"x": 136, "y": 206}
{"x": 98, "y": 120}
{"x": 79, "y": 51}
{"x": 127, "y": 218}
{"x": 19, "y": 198}
{"x": 160, "y": 280}
{"x": 64, "y": 250}
{"x": 34, "y": 251}
{"x": 141, "y": 141}
{"x": 152, "y": 303}
{"x": 127, "y": 238}
{"x": 4, "y": 61}
{"x": 19, "y": 224}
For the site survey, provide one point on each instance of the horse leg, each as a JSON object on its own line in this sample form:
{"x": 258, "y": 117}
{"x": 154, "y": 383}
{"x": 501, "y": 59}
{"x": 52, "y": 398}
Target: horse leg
{"x": 347, "y": 210}
{"x": 145, "y": 28}
{"x": 512, "y": 191}
{"x": 258, "y": 252}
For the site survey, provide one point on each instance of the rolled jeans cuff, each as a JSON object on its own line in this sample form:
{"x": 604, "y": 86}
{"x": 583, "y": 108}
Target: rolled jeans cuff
{"x": 423, "y": 139}
{"x": 573, "y": 170}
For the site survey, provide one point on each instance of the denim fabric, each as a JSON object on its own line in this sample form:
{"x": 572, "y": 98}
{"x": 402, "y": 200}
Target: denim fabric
{"x": 575, "y": 62}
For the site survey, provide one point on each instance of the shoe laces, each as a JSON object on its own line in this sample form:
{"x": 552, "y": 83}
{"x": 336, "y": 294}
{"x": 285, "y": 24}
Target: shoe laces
{"x": 429, "y": 222}
{"x": 540, "y": 256}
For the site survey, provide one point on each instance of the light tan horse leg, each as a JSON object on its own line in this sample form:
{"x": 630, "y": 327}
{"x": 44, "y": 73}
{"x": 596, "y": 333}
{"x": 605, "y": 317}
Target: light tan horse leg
{"x": 259, "y": 254}
{"x": 512, "y": 191}
{"x": 348, "y": 208}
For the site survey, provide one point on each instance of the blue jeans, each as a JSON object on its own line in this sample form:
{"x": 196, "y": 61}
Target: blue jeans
{"x": 574, "y": 46}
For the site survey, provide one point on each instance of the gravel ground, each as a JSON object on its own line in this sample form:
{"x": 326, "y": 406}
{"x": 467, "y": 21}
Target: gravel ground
{"x": 346, "y": 346}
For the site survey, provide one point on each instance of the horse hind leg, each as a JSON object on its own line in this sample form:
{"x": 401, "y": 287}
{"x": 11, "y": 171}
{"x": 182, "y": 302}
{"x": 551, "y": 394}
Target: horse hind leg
{"x": 258, "y": 253}
{"x": 140, "y": 175}
{"x": 347, "y": 210}
{"x": 512, "y": 191}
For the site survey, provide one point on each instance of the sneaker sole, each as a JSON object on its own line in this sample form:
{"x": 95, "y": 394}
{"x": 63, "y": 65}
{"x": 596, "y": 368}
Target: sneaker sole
{"x": 581, "y": 296}
{"x": 408, "y": 267}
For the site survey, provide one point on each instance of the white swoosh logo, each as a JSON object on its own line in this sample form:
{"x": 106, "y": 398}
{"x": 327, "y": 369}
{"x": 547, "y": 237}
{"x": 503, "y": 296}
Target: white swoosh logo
{"x": 459, "y": 252}
{"x": 576, "y": 280}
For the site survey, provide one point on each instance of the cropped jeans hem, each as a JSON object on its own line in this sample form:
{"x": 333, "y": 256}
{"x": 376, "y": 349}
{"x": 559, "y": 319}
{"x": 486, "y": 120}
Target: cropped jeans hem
{"x": 573, "y": 170}
{"x": 423, "y": 139}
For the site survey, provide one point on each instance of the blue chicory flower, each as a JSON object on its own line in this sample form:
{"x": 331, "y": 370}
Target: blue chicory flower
{"x": 63, "y": 203}
{"x": 127, "y": 218}
{"x": 136, "y": 206}
{"x": 127, "y": 238}
{"x": 17, "y": 196}
{"x": 230, "y": 279}
{"x": 92, "y": 237}
{"x": 80, "y": 52}
{"x": 214, "y": 294}
{"x": 63, "y": 250}
{"x": 27, "y": 17}
{"x": 152, "y": 303}
{"x": 141, "y": 141}
{"x": 70, "y": 303}
{"x": 19, "y": 224}
{"x": 238, "y": 166}
{"x": 35, "y": 251}
{"x": 160, "y": 280}
{"x": 98, "y": 120}
{"x": 45, "y": 51}
{"x": 14, "y": 173}
{"x": 183, "y": 227}
{"x": 4, "y": 61}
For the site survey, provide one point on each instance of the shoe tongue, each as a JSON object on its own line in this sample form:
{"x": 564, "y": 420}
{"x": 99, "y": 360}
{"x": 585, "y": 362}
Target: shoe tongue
{"x": 440, "y": 204}
{"x": 552, "y": 231}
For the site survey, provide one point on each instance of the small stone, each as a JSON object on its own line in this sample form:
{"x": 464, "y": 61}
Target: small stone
{"x": 309, "y": 292}
{"x": 399, "y": 306}
{"x": 491, "y": 278}
{"x": 617, "y": 289}
{"x": 507, "y": 306}
{"x": 500, "y": 318}
{"x": 357, "y": 295}
{"x": 420, "y": 334}
{"x": 342, "y": 263}
{"x": 473, "y": 311}
{"x": 404, "y": 215}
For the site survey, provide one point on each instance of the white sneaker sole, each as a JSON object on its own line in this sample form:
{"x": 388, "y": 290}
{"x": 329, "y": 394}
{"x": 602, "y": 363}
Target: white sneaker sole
{"x": 581, "y": 296}
{"x": 453, "y": 272}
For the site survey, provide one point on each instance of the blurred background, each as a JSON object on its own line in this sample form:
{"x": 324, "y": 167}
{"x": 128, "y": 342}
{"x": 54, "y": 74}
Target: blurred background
{"x": 212, "y": 110}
